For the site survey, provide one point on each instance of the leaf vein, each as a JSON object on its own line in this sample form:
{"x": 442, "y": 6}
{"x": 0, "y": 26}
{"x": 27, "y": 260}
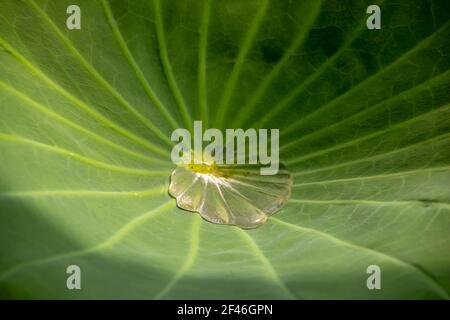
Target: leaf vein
{"x": 371, "y": 251}
{"x": 109, "y": 242}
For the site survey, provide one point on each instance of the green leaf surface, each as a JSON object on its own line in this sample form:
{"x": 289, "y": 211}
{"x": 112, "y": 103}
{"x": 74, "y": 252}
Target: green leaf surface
{"x": 86, "y": 118}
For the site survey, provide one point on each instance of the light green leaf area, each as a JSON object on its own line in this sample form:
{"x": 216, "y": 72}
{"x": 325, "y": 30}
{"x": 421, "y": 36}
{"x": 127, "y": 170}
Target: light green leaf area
{"x": 86, "y": 118}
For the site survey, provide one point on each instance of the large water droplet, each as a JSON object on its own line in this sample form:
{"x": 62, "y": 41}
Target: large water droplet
{"x": 237, "y": 195}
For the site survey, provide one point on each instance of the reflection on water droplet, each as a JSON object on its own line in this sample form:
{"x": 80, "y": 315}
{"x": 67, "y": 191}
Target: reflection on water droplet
{"x": 237, "y": 195}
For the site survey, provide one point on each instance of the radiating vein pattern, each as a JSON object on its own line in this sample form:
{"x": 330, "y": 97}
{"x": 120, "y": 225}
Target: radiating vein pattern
{"x": 85, "y": 145}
